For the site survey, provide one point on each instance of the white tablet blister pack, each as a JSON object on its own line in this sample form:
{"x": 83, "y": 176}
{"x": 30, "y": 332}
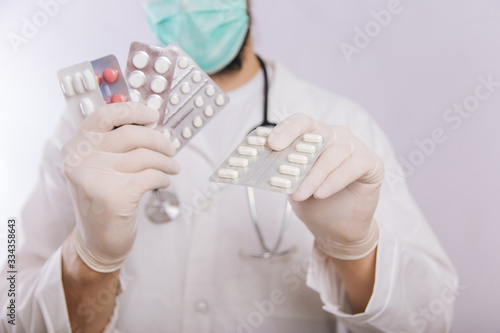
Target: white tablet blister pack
{"x": 254, "y": 164}
{"x": 165, "y": 79}
{"x": 150, "y": 70}
{"x": 194, "y": 100}
{"x": 89, "y": 85}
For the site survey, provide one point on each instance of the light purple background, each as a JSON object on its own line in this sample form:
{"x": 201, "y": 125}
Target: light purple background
{"x": 428, "y": 58}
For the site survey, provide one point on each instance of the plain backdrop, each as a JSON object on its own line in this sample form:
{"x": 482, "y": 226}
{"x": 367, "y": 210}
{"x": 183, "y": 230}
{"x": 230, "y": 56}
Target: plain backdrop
{"x": 416, "y": 67}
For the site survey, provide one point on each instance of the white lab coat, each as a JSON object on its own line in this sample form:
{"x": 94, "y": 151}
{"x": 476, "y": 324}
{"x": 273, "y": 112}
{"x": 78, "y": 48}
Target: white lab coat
{"x": 195, "y": 275}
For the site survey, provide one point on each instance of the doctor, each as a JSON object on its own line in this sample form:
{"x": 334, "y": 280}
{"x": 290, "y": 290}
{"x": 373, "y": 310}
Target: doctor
{"x": 360, "y": 251}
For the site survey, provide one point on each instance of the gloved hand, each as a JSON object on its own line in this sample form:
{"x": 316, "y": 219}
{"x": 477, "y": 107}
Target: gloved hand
{"x": 110, "y": 163}
{"x": 339, "y": 195}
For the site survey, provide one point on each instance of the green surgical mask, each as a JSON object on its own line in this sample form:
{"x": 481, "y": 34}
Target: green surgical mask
{"x": 211, "y": 32}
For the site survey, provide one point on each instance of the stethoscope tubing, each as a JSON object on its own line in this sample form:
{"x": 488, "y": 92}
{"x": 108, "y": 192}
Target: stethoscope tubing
{"x": 169, "y": 198}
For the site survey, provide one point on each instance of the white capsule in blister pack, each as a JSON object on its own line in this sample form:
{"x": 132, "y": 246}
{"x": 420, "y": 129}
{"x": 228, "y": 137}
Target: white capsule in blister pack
{"x": 194, "y": 100}
{"x": 89, "y": 85}
{"x": 254, "y": 164}
{"x": 149, "y": 72}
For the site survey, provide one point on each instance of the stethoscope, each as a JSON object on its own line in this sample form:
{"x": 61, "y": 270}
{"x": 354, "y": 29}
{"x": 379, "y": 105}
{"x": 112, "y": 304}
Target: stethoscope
{"x": 163, "y": 205}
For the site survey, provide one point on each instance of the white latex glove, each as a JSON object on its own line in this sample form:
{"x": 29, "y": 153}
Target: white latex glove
{"x": 110, "y": 163}
{"x": 339, "y": 195}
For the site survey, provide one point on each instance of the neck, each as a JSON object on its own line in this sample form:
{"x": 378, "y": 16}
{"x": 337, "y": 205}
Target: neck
{"x": 250, "y": 66}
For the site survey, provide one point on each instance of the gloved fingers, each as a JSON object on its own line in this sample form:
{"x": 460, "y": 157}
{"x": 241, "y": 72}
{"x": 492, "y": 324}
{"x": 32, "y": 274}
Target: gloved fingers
{"x": 130, "y": 137}
{"x": 290, "y": 129}
{"x": 141, "y": 159}
{"x": 361, "y": 167}
{"x": 327, "y": 162}
{"x": 109, "y": 116}
{"x": 340, "y": 147}
{"x": 150, "y": 179}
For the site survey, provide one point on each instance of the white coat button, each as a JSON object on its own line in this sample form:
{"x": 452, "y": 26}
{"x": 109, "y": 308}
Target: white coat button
{"x": 201, "y": 307}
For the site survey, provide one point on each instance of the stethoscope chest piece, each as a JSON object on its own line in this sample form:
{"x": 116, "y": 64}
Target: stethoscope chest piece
{"x": 163, "y": 206}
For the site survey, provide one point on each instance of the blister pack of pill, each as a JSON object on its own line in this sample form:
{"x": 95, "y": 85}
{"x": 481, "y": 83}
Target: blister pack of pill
{"x": 254, "y": 164}
{"x": 91, "y": 84}
{"x": 165, "y": 79}
{"x": 194, "y": 100}
{"x": 150, "y": 70}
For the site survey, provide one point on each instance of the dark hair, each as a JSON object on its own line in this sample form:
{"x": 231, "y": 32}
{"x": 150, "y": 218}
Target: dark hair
{"x": 237, "y": 62}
